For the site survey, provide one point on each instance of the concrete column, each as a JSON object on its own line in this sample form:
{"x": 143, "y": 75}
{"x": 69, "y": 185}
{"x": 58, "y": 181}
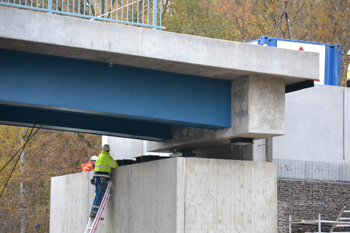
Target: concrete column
{"x": 269, "y": 149}
{"x": 259, "y": 150}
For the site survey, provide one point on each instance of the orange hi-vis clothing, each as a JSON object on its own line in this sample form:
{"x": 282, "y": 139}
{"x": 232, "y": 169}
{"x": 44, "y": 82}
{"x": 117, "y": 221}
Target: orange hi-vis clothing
{"x": 87, "y": 167}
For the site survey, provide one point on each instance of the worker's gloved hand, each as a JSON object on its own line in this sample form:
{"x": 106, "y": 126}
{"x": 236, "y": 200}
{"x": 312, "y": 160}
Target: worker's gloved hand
{"x": 92, "y": 181}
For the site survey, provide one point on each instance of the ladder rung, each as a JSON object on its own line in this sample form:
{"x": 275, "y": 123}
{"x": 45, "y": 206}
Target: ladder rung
{"x": 344, "y": 218}
{"x": 346, "y": 211}
{"x": 96, "y": 221}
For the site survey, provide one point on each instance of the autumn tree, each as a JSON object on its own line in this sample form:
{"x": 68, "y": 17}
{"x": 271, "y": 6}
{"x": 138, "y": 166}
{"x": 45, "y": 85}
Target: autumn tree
{"x": 330, "y": 24}
{"x": 48, "y": 154}
{"x": 196, "y": 17}
{"x": 9, "y": 203}
{"x": 324, "y": 21}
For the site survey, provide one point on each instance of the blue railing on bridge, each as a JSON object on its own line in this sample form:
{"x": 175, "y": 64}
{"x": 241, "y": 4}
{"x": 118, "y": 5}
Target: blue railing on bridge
{"x": 144, "y": 13}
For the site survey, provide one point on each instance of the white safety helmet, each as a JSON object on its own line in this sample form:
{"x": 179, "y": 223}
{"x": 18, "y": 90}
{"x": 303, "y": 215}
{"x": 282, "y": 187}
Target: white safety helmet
{"x": 105, "y": 147}
{"x": 348, "y": 53}
{"x": 93, "y": 158}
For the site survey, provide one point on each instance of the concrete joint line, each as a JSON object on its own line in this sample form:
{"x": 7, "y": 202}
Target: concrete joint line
{"x": 129, "y": 198}
{"x": 344, "y": 135}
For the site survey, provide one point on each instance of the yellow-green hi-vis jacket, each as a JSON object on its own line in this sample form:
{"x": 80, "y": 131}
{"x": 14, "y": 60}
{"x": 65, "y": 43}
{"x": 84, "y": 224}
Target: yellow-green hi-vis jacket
{"x": 104, "y": 165}
{"x": 348, "y": 75}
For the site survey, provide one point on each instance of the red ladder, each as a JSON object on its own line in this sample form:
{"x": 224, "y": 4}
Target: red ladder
{"x": 96, "y": 221}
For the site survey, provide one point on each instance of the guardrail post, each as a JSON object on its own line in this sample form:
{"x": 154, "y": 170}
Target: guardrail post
{"x": 50, "y": 6}
{"x": 154, "y": 14}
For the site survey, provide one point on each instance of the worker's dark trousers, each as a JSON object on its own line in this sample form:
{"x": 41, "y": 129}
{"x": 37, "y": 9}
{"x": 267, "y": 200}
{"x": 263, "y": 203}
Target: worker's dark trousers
{"x": 100, "y": 189}
{"x": 348, "y": 83}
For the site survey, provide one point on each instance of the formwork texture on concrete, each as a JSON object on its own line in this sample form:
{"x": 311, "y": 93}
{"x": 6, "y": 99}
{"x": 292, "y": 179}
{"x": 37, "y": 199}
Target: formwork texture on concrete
{"x": 180, "y": 195}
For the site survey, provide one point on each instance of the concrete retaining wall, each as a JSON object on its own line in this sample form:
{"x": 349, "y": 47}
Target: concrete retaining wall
{"x": 180, "y": 195}
{"x": 347, "y": 125}
{"x": 317, "y": 119}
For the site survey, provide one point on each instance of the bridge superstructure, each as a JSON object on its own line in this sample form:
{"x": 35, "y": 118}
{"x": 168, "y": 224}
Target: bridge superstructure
{"x": 119, "y": 80}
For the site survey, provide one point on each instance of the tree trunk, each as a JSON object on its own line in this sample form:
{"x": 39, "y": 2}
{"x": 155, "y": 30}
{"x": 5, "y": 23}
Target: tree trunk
{"x": 22, "y": 189}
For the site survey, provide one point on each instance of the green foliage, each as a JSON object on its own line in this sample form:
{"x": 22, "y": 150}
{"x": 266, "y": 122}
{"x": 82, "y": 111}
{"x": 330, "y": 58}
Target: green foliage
{"x": 195, "y": 17}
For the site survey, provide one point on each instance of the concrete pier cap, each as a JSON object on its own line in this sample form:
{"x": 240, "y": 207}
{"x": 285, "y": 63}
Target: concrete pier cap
{"x": 257, "y": 111}
{"x": 259, "y": 75}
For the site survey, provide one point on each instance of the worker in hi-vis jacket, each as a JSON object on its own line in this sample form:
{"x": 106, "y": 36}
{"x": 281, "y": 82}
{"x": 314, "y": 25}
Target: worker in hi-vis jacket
{"x": 89, "y": 166}
{"x": 102, "y": 175}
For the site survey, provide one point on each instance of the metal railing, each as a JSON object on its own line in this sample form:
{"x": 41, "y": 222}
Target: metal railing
{"x": 310, "y": 170}
{"x": 144, "y": 13}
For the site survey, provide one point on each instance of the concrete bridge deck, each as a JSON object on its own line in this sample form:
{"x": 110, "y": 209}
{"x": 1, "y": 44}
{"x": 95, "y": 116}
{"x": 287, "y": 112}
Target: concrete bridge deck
{"x": 57, "y": 35}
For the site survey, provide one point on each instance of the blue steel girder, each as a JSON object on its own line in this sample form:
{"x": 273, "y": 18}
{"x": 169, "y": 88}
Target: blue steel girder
{"x": 85, "y": 123}
{"x": 92, "y": 97}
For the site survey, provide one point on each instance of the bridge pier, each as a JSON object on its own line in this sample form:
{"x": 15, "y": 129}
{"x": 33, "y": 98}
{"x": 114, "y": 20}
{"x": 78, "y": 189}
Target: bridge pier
{"x": 175, "y": 195}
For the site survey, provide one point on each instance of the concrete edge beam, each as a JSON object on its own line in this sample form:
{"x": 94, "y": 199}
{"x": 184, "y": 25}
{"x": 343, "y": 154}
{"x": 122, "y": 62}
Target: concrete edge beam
{"x": 133, "y": 46}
